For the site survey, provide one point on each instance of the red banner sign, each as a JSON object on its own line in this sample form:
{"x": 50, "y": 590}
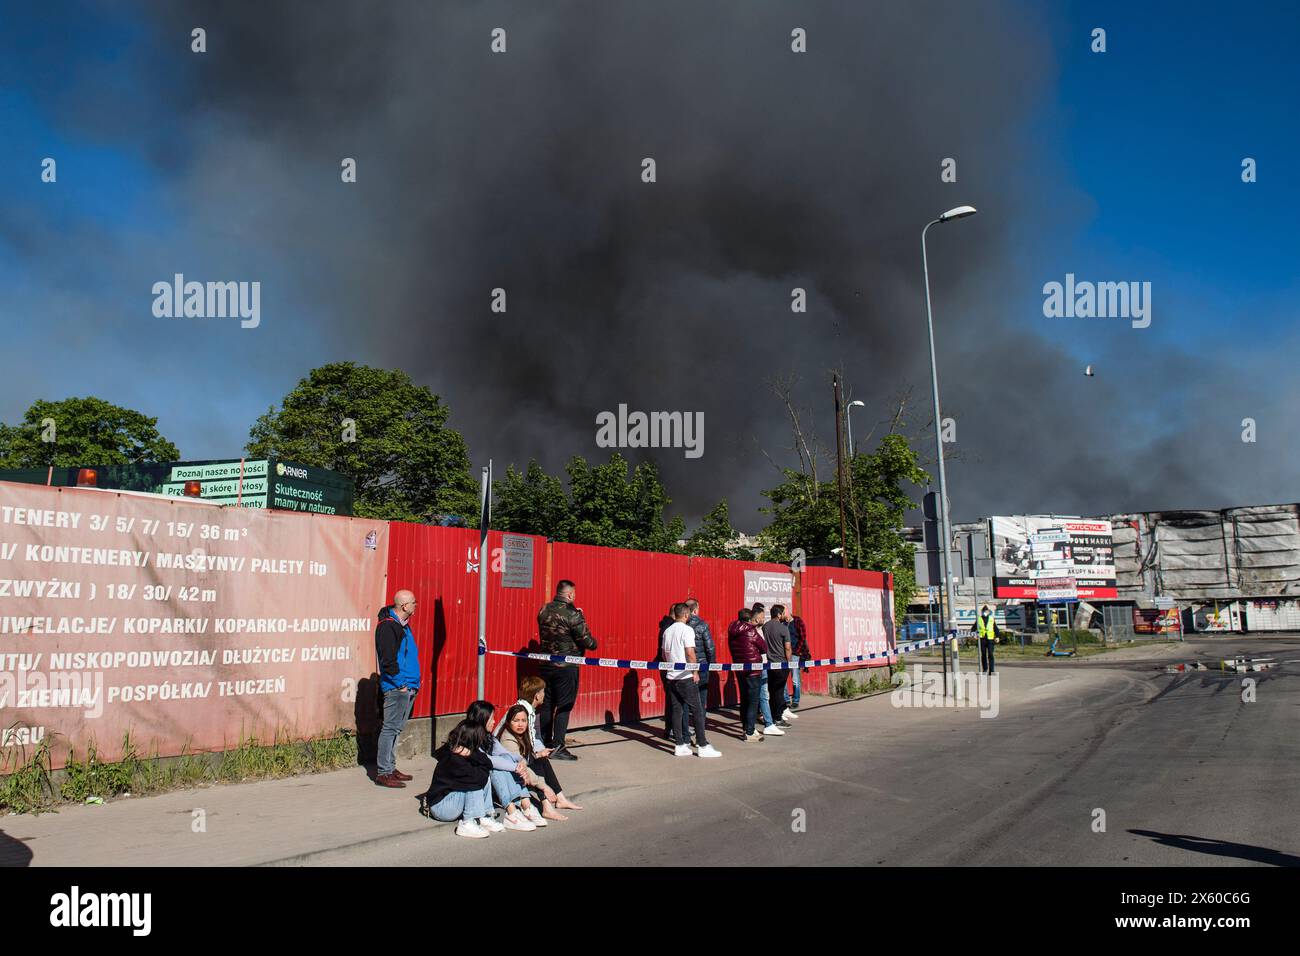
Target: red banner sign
{"x": 183, "y": 624}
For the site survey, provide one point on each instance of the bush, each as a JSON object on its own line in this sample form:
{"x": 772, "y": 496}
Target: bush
{"x": 94, "y": 778}
{"x": 879, "y": 678}
{"x": 27, "y": 788}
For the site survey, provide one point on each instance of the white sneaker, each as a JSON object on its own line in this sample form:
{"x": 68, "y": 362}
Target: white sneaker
{"x": 708, "y": 751}
{"x": 772, "y": 730}
{"x": 789, "y": 715}
{"x": 682, "y": 750}
{"x": 535, "y": 818}
{"x": 468, "y": 828}
{"x": 487, "y": 823}
{"x": 514, "y": 822}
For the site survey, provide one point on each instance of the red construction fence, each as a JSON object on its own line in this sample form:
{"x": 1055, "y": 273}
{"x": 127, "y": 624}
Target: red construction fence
{"x": 187, "y": 625}
{"x": 623, "y": 595}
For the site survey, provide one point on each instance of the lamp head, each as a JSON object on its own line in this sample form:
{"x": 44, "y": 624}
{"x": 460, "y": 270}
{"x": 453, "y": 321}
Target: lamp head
{"x": 958, "y": 212}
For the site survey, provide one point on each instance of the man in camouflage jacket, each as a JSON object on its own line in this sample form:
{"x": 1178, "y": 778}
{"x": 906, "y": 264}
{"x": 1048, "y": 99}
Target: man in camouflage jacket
{"x": 562, "y": 630}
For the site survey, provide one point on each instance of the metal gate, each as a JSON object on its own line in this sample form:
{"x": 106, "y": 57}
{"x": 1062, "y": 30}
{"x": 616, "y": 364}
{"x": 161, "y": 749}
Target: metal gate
{"x": 1117, "y": 621}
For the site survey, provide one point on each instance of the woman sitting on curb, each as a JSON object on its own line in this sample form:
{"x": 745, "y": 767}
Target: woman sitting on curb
{"x": 508, "y": 772}
{"x": 531, "y": 692}
{"x": 461, "y": 788}
{"x": 539, "y": 775}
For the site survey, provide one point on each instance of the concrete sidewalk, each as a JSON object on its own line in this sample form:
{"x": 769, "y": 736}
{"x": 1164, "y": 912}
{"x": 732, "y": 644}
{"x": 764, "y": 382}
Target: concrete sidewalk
{"x": 318, "y": 819}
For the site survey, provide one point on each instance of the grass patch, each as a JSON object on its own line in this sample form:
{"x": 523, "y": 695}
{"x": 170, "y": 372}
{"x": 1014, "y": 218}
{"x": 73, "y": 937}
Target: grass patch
{"x": 27, "y": 787}
{"x": 32, "y": 787}
{"x": 878, "y": 679}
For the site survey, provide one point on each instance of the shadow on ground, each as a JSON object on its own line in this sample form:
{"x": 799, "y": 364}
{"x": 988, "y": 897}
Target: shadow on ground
{"x": 1241, "y": 851}
{"x": 13, "y": 852}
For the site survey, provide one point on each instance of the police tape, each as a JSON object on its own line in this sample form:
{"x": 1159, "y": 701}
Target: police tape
{"x": 623, "y": 664}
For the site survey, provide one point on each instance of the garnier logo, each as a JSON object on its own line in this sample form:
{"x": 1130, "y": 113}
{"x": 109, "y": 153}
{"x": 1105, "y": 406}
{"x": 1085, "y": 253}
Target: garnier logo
{"x": 282, "y": 469}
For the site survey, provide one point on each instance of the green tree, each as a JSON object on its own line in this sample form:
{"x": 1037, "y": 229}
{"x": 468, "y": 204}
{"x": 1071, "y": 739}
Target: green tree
{"x": 878, "y": 508}
{"x": 531, "y": 502}
{"x": 805, "y": 514}
{"x": 406, "y": 463}
{"x": 647, "y": 500}
{"x": 715, "y": 532}
{"x": 85, "y": 431}
{"x": 603, "y": 505}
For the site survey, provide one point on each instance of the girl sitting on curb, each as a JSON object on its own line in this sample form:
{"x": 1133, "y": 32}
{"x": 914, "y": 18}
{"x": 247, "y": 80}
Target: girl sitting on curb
{"x": 508, "y": 772}
{"x": 539, "y": 776}
{"x": 531, "y": 692}
{"x": 461, "y": 788}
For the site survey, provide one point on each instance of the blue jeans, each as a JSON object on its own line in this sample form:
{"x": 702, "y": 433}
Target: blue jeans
{"x": 794, "y": 695}
{"x": 507, "y": 786}
{"x": 764, "y": 704}
{"x": 464, "y": 805}
{"x": 748, "y": 686}
{"x": 397, "y": 707}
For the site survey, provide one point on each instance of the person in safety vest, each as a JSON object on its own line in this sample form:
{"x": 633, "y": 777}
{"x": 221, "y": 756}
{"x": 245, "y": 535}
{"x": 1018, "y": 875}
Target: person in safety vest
{"x": 988, "y": 633}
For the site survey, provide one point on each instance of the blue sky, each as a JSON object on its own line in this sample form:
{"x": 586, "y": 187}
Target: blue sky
{"x": 1155, "y": 131}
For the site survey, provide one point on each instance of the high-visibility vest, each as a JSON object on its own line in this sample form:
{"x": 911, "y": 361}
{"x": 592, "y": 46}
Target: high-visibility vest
{"x": 987, "y": 629}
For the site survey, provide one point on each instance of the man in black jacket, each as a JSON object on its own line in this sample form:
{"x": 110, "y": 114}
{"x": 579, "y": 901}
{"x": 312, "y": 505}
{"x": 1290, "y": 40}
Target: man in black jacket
{"x": 666, "y": 622}
{"x": 705, "y": 652}
{"x": 563, "y": 631}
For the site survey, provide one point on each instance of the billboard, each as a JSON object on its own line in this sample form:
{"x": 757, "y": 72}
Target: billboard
{"x": 1029, "y": 547}
{"x": 183, "y": 624}
{"x": 861, "y": 616}
{"x": 768, "y": 588}
{"x": 1156, "y": 620}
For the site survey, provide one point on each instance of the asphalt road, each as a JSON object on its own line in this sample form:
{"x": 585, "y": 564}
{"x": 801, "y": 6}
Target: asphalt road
{"x": 1184, "y": 770}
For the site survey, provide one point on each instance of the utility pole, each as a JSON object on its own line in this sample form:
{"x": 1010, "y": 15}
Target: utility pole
{"x": 484, "y": 523}
{"x": 839, "y": 468}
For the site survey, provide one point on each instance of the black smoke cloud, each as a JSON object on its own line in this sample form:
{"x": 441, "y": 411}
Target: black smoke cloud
{"x": 775, "y": 170}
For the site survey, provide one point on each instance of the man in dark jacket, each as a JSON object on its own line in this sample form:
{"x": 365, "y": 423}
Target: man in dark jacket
{"x": 563, "y": 631}
{"x": 705, "y": 652}
{"x": 747, "y": 647}
{"x": 666, "y": 622}
{"x": 798, "y": 647}
{"x": 399, "y": 679}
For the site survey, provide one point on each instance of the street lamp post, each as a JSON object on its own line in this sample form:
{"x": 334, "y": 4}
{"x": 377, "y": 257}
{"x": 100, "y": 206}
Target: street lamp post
{"x": 848, "y": 416}
{"x": 958, "y": 212}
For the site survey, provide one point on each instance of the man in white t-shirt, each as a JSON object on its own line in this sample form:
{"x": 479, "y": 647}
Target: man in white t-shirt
{"x": 679, "y": 648}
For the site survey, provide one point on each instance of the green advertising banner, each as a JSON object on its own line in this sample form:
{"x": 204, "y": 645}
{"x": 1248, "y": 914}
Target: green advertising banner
{"x": 303, "y": 488}
{"x": 266, "y": 483}
{"x": 190, "y": 471}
